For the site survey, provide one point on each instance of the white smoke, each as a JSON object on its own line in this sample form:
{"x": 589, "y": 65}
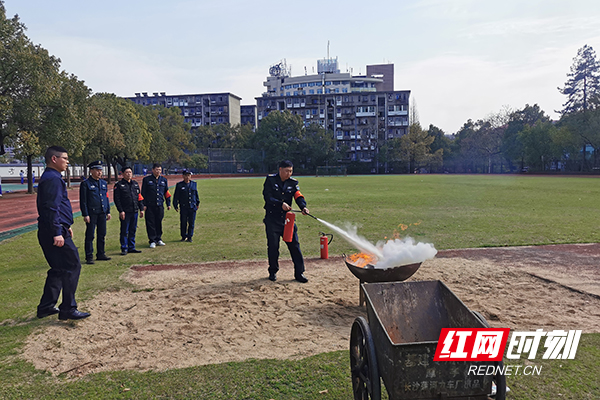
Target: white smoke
{"x": 403, "y": 252}
{"x": 392, "y": 253}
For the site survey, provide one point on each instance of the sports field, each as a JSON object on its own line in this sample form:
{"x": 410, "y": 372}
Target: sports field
{"x": 449, "y": 211}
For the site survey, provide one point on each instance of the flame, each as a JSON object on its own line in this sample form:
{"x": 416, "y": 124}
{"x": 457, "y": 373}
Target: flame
{"x": 361, "y": 260}
{"x": 403, "y": 227}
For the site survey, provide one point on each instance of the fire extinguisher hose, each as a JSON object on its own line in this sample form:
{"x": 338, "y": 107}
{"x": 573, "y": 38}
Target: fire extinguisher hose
{"x": 310, "y": 215}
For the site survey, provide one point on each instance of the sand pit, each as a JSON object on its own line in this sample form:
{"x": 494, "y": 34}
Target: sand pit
{"x": 181, "y": 316}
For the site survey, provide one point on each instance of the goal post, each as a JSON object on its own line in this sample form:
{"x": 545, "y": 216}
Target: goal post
{"x": 336, "y": 170}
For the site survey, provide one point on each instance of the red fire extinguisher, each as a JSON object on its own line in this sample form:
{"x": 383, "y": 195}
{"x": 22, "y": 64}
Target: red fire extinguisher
{"x": 325, "y": 244}
{"x": 288, "y": 229}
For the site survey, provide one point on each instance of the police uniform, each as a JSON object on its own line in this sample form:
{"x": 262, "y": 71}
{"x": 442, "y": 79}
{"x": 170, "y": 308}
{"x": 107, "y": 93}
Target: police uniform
{"x": 155, "y": 191}
{"x": 186, "y": 198}
{"x": 275, "y": 193}
{"x": 55, "y": 219}
{"x": 94, "y": 203}
{"x": 128, "y": 199}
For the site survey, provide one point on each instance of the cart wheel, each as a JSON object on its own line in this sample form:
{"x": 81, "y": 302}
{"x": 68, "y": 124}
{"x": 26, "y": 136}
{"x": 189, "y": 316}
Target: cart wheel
{"x": 499, "y": 379}
{"x": 366, "y": 384}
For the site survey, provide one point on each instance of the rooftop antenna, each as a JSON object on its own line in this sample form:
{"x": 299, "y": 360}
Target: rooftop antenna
{"x": 328, "y": 49}
{"x": 305, "y": 73}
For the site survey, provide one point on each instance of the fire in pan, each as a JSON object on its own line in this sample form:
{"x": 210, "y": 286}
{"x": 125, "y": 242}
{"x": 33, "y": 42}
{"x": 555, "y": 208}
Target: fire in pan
{"x": 362, "y": 266}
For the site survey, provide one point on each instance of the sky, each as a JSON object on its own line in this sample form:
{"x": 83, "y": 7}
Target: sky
{"x": 461, "y": 59}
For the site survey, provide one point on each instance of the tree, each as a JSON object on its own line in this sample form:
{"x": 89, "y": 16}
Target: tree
{"x": 316, "y": 148}
{"x": 176, "y": 133}
{"x": 278, "y": 135}
{"x": 65, "y": 120}
{"x": 583, "y": 85}
{"x": 540, "y": 145}
{"x": 415, "y": 149}
{"x": 441, "y": 147}
{"x": 512, "y": 146}
{"x": 28, "y": 81}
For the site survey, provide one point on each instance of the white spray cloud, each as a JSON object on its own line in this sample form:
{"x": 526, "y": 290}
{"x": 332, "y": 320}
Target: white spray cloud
{"x": 403, "y": 252}
{"x": 392, "y": 253}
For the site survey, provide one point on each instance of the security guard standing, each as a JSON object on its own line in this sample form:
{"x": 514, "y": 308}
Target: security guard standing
{"x": 95, "y": 209}
{"x": 56, "y": 239}
{"x": 129, "y": 201}
{"x": 155, "y": 190}
{"x": 186, "y": 198}
{"x": 279, "y": 191}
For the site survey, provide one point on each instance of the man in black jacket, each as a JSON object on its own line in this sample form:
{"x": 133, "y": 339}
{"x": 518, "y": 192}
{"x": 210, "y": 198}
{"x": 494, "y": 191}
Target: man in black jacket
{"x": 56, "y": 239}
{"x": 279, "y": 190}
{"x": 95, "y": 209}
{"x": 128, "y": 201}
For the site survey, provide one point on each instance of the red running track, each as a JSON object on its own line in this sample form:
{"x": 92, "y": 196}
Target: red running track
{"x": 18, "y": 209}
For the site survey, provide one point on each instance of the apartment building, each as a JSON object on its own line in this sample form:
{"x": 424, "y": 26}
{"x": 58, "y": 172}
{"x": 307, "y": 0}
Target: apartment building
{"x": 198, "y": 109}
{"x": 249, "y": 117}
{"x": 363, "y": 111}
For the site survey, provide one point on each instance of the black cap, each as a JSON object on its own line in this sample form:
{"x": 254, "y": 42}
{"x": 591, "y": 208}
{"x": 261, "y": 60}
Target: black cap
{"x": 95, "y": 165}
{"x": 186, "y": 172}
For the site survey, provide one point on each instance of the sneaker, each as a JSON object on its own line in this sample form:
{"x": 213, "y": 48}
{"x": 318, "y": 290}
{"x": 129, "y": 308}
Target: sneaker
{"x": 183, "y": 239}
{"x": 160, "y": 243}
{"x": 152, "y": 245}
{"x": 123, "y": 252}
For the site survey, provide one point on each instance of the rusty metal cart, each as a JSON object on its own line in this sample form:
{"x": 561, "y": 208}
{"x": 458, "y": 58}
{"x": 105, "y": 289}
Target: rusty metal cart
{"x": 399, "y": 340}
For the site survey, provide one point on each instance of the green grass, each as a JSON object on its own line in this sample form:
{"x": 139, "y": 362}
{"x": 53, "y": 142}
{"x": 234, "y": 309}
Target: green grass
{"x": 451, "y": 211}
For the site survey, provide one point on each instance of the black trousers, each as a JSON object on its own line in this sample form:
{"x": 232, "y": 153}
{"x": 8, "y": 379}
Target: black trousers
{"x": 65, "y": 268}
{"x": 154, "y": 217}
{"x": 97, "y": 222}
{"x": 274, "y": 232}
{"x": 187, "y": 220}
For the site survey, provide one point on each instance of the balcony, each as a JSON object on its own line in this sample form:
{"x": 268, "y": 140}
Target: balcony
{"x": 366, "y": 114}
{"x": 397, "y": 112}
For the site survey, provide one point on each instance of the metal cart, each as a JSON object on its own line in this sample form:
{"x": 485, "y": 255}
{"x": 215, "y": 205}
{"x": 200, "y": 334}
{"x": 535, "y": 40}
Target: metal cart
{"x": 399, "y": 340}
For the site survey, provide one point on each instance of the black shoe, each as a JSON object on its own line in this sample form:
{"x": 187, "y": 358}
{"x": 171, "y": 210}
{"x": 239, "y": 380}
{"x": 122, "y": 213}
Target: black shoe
{"x": 47, "y": 312}
{"x": 103, "y": 257}
{"x": 272, "y": 277}
{"x": 189, "y": 240}
{"x": 123, "y": 252}
{"x": 183, "y": 239}
{"x": 89, "y": 261}
{"x": 301, "y": 278}
{"x": 135, "y": 251}
{"x": 73, "y": 314}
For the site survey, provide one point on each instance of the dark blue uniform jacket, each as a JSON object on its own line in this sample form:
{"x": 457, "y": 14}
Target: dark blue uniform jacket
{"x": 186, "y": 195}
{"x": 155, "y": 191}
{"x": 276, "y": 193}
{"x": 93, "y": 197}
{"x": 54, "y": 208}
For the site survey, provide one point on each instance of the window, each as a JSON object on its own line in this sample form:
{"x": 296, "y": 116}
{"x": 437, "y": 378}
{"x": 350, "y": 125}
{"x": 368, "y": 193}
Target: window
{"x": 295, "y": 85}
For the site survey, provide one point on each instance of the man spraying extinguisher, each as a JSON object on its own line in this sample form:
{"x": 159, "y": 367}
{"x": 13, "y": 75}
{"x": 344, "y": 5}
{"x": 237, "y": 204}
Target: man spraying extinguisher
{"x": 279, "y": 191}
